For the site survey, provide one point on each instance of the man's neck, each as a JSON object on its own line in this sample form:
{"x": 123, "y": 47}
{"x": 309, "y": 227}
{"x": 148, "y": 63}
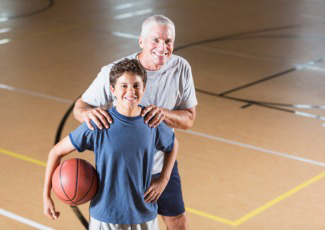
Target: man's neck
{"x": 147, "y": 64}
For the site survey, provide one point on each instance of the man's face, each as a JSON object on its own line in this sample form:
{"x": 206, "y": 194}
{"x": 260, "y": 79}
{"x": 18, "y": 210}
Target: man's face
{"x": 128, "y": 91}
{"x": 157, "y": 46}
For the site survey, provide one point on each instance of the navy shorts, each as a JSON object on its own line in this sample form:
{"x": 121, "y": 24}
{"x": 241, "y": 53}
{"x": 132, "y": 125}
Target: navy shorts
{"x": 171, "y": 203}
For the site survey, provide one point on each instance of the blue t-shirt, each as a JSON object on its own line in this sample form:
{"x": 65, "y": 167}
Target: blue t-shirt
{"x": 124, "y": 156}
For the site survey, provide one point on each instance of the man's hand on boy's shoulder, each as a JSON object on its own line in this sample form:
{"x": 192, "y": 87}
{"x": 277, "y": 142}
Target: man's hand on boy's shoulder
{"x": 153, "y": 115}
{"x": 99, "y": 116}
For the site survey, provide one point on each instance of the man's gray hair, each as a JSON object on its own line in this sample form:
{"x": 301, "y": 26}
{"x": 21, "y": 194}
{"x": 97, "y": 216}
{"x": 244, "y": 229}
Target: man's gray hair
{"x": 158, "y": 19}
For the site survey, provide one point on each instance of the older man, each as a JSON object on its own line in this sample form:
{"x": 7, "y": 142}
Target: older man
{"x": 170, "y": 97}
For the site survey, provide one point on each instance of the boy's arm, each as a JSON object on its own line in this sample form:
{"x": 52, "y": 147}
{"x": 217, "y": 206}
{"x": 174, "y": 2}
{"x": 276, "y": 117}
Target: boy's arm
{"x": 158, "y": 185}
{"x": 60, "y": 150}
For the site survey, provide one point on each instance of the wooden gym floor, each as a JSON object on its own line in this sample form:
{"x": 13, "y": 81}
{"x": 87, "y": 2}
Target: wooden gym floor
{"x": 254, "y": 158}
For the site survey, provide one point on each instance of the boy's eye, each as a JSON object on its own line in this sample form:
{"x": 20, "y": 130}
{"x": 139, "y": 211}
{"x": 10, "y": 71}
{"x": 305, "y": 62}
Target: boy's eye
{"x": 155, "y": 40}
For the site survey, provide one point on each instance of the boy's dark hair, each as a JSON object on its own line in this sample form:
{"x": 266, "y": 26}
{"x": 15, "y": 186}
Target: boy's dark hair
{"x": 132, "y": 66}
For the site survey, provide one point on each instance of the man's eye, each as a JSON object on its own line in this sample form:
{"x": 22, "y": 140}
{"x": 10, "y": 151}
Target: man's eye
{"x": 155, "y": 40}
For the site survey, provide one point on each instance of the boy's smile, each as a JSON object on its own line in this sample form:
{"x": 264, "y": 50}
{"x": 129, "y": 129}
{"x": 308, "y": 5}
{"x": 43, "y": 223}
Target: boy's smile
{"x": 128, "y": 91}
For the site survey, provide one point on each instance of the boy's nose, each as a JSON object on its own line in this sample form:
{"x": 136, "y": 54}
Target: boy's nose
{"x": 130, "y": 90}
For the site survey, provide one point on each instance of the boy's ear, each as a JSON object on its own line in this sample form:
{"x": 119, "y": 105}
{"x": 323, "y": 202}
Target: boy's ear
{"x": 112, "y": 89}
{"x": 141, "y": 42}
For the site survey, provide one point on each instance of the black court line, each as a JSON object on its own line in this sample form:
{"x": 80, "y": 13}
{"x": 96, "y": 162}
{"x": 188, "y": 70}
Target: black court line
{"x": 75, "y": 209}
{"x": 49, "y": 5}
{"x": 246, "y": 101}
{"x": 259, "y": 81}
{"x": 235, "y": 36}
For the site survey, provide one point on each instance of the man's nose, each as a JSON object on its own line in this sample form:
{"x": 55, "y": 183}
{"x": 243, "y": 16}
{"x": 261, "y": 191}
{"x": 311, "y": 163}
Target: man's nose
{"x": 162, "y": 45}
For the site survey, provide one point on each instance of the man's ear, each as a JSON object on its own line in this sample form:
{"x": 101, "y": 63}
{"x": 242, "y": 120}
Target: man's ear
{"x": 141, "y": 42}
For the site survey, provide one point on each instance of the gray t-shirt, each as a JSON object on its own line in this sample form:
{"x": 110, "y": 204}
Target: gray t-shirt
{"x": 170, "y": 87}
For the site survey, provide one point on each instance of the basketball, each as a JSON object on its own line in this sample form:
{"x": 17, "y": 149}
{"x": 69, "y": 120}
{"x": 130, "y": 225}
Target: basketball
{"x": 75, "y": 181}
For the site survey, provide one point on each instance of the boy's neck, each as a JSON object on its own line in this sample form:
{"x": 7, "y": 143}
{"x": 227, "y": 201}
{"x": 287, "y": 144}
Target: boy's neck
{"x": 129, "y": 112}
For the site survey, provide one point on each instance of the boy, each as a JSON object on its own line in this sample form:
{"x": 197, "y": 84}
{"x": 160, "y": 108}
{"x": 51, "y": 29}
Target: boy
{"x": 124, "y": 157}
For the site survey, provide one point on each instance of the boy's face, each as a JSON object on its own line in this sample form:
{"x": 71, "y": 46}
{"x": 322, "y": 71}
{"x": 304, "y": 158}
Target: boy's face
{"x": 128, "y": 91}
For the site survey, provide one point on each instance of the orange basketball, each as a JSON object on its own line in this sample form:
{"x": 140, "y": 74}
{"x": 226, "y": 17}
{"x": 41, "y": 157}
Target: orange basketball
{"x": 75, "y": 181}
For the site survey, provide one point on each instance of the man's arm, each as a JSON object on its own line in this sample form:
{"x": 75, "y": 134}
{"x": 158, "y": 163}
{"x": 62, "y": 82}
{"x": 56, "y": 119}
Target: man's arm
{"x": 83, "y": 112}
{"x": 179, "y": 119}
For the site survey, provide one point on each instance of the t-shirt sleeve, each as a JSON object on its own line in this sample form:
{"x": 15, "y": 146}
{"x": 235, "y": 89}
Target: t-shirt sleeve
{"x": 98, "y": 94}
{"x": 164, "y": 138}
{"x": 188, "y": 95}
{"x": 82, "y": 138}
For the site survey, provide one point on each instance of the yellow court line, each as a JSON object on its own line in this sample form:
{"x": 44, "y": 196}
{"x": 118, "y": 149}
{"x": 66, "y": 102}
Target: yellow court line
{"x": 279, "y": 198}
{"x": 203, "y": 214}
{"x": 212, "y": 217}
{"x": 22, "y": 157}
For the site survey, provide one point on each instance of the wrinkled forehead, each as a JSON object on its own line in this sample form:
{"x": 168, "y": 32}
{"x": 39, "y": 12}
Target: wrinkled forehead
{"x": 154, "y": 29}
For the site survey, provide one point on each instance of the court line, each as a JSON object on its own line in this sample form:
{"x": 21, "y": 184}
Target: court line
{"x": 212, "y": 217}
{"x": 7, "y": 87}
{"x": 126, "y": 35}
{"x": 204, "y": 214}
{"x": 262, "y": 208}
{"x": 11, "y": 88}
{"x": 24, "y": 220}
{"x": 129, "y": 5}
{"x": 285, "y": 155}
{"x": 4, "y": 41}
{"x": 133, "y": 14}
{"x": 279, "y": 198}
{"x": 22, "y": 157}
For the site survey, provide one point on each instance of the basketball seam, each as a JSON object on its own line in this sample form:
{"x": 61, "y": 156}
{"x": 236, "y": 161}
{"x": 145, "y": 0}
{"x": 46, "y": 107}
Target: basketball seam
{"x": 77, "y": 178}
{"x": 92, "y": 182}
{"x": 63, "y": 186}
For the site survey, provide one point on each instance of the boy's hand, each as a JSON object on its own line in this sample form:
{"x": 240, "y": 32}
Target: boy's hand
{"x": 156, "y": 188}
{"x": 49, "y": 209}
{"x": 99, "y": 116}
{"x": 153, "y": 114}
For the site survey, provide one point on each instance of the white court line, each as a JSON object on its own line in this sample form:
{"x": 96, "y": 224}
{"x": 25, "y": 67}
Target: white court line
{"x": 125, "y": 35}
{"x": 132, "y": 14}
{"x": 3, "y": 19}
{"x": 24, "y": 220}
{"x": 4, "y": 41}
{"x": 187, "y": 131}
{"x": 4, "y": 30}
{"x": 309, "y": 115}
{"x": 7, "y": 87}
{"x": 255, "y": 148}
{"x": 316, "y": 68}
{"x": 128, "y": 5}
